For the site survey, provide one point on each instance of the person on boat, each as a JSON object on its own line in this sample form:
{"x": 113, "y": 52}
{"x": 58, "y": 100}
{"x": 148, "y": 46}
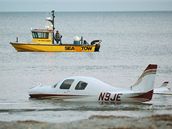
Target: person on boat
{"x": 58, "y": 37}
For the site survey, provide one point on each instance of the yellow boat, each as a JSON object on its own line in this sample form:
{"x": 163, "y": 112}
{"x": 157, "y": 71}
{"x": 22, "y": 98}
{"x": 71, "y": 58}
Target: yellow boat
{"x": 44, "y": 41}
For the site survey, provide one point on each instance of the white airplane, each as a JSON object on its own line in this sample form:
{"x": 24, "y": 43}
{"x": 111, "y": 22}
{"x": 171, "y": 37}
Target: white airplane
{"x": 80, "y": 88}
{"x": 163, "y": 89}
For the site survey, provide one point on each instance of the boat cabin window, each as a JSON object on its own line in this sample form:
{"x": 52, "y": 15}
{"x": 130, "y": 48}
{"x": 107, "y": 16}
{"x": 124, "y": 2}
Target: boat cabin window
{"x": 40, "y": 35}
{"x": 66, "y": 84}
{"x": 81, "y": 85}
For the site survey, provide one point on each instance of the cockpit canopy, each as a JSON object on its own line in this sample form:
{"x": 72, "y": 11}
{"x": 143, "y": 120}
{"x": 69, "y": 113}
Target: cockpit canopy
{"x": 79, "y": 83}
{"x": 66, "y": 84}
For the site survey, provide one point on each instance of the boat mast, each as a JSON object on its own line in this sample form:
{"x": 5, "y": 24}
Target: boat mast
{"x": 52, "y": 12}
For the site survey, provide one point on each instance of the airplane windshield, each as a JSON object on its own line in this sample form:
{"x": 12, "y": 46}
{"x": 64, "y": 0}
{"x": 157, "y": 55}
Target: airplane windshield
{"x": 54, "y": 86}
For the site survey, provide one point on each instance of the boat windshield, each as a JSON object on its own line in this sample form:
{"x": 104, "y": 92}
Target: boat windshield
{"x": 40, "y": 35}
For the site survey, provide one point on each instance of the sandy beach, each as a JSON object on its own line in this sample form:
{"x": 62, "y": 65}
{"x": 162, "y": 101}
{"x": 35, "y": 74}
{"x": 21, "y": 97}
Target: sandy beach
{"x": 97, "y": 122}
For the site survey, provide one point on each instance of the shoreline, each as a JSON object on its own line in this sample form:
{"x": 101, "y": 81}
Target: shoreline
{"x": 97, "y": 122}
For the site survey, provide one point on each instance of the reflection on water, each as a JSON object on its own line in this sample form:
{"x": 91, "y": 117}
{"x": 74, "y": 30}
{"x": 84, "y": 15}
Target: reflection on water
{"x": 59, "y": 111}
{"x": 60, "y": 105}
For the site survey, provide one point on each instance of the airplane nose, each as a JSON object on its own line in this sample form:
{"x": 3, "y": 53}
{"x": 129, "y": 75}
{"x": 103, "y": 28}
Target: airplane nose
{"x": 33, "y": 90}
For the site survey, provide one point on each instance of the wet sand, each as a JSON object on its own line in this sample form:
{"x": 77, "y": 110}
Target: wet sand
{"x": 97, "y": 122}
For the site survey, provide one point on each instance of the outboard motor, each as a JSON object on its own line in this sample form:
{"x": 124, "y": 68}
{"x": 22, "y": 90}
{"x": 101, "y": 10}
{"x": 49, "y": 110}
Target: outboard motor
{"x": 97, "y": 44}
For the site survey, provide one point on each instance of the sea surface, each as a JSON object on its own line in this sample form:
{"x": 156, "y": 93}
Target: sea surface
{"x": 130, "y": 41}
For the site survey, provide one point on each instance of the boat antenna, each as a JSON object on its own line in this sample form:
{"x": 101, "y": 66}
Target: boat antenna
{"x": 52, "y": 12}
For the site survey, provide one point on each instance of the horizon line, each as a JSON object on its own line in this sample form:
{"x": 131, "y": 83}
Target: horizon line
{"x": 88, "y": 11}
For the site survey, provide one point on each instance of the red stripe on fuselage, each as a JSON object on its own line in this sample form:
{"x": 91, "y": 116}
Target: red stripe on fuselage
{"x": 147, "y": 96}
{"x": 52, "y": 95}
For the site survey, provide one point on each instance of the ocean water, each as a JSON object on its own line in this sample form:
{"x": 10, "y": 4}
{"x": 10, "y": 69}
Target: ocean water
{"x": 130, "y": 41}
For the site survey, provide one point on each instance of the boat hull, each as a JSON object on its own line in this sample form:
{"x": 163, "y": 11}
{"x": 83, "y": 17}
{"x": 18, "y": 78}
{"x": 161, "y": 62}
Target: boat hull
{"x": 28, "y": 47}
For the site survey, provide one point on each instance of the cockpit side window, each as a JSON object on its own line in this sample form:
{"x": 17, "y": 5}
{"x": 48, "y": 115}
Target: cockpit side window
{"x": 81, "y": 85}
{"x": 66, "y": 84}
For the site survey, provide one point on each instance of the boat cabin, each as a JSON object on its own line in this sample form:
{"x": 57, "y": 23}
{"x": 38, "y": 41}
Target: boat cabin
{"x": 42, "y": 36}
